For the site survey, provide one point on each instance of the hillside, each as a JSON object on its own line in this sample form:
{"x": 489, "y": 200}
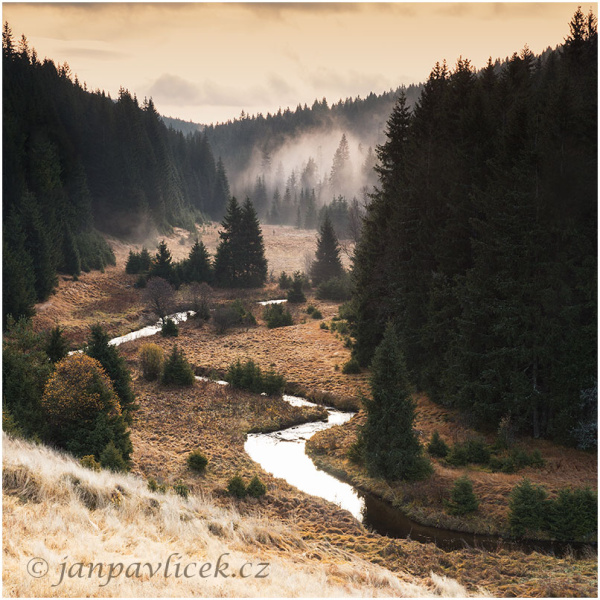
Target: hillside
{"x": 56, "y": 511}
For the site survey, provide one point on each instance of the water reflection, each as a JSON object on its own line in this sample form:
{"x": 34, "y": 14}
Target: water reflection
{"x": 282, "y": 453}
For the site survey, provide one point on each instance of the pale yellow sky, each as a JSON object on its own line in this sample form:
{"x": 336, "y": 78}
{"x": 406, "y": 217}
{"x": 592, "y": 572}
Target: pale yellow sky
{"x": 206, "y": 62}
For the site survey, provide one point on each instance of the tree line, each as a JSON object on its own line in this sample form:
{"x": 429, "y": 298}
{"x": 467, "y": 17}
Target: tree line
{"x": 479, "y": 243}
{"x": 76, "y": 162}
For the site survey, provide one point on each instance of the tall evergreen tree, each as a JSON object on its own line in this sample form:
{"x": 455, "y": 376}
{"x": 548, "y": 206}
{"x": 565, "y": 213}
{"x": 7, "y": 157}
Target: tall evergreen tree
{"x": 162, "y": 264}
{"x": 114, "y": 364}
{"x": 328, "y": 263}
{"x": 253, "y": 271}
{"x": 229, "y": 253}
{"x": 197, "y": 266}
{"x": 392, "y": 449}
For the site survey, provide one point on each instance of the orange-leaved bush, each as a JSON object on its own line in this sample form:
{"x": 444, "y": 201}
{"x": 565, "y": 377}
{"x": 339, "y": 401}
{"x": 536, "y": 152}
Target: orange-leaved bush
{"x": 82, "y": 409}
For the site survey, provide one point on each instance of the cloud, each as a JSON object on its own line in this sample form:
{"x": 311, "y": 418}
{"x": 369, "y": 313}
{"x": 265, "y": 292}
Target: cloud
{"x": 177, "y": 91}
{"x": 346, "y": 84}
{"x": 96, "y": 53}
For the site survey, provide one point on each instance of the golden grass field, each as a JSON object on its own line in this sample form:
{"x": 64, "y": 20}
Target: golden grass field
{"x": 305, "y": 533}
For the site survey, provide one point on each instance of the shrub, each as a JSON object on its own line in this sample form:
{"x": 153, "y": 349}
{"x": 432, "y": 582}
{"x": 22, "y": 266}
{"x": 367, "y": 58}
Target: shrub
{"x": 177, "y": 370}
{"x": 232, "y": 315}
{"x": 437, "y": 446}
{"x": 151, "y": 359}
{"x": 248, "y": 376}
{"x": 516, "y": 460}
{"x": 90, "y": 462}
{"x": 285, "y": 281}
{"x": 275, "y": 316}
{"x": 82, "y": 410}
{"x": 337, "y": 289}
{"x": 181, "y": 489}
{"x": 317, "y": 314}
{"x": 153, "y": 486}
{"x": 112, "y": 458}
{"x": 141, "y": 282}
{"x": 169, "y": 328}
{"x": 342, "y": 328}
{"x": 528, "y": 508}
{"x": 351, "y": 367}
{"x": 236, "y": 487}
{"x": 295, "y": 294}
{"x": 324, "y": 326}
{"x": 310, "y": 309}
{"x": 471, "y": 451}
{"x": 10, "y": 426}
{"x": 463, "y": 499}
{"x": 574, "y": 515}
{"x": 256, "y": 488}
{"x": 197, "y": 461}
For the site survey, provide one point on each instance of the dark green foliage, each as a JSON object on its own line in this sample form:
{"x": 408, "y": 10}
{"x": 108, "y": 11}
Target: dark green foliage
{"x": 256, "y": 488}
{"x": 574, "y": 515}
{"x": 138, "y": 262}
{"x": 463, "y": 500}
{"x": 181, "y": 489}
{"x": 275, "y": 316}
{"x": 528, "y": 509}
{"x": 57, "y": 345}
{"x": 197, "y": 462}
{"x": 249, "y": 376}
{"x": 9, "y": 425}
{"x": 317, "y": 314}
{"x": 472, "y": 451}
{"x": 337, "y": 289}
{"x": 236, "y": 487}
{"x": 114, "y": 364}
{"x": 169, "y": 328}
{"x": 515, "y": 460}
{"x": 162, "y": 265}
{"x": 351, "y": 367}
{"x": 310, "y": 309}
{"x": 141, "y": 282}
{"x": 295, "y": 293}
{"x": 284, "y": 281}
{"x": 470, "y": 249}
{"x": 71, "y": 259}
{"x": 111, "y": 458}
{"x": 177, "y": 370}
{"x": 437, "y": 446}
{"x": 324, "y": 325}
{"x": 197, "y": 267}
{"x": 25, "y": 370}
{"x": 327, "y": 264}
{"x": 356, "y": 452}
{"x": 240, "y": 259}
{"x": 392, "y": 449}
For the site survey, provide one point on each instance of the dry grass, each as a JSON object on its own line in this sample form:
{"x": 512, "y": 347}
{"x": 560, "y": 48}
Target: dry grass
{"x": 171, "y": 423}
{"x": 59, "y": 512}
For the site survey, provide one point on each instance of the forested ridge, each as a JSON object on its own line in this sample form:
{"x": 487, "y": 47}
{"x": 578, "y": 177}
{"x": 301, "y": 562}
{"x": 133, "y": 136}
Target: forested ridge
{"x": 480, "y": 242}
{"x": 75, "y": 163}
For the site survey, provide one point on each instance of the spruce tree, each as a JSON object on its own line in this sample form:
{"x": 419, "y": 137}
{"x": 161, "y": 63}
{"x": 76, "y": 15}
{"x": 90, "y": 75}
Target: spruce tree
{"x": 197, "y": 266}
{"x": 57, "y": 345}
{"x": 328, "y": 263}
{"x": 162, "y": 265}
{"x": 392, "y": 449}
{"x": 228, "y": 255}
{"x": 114, "y": 364}
{"x": 253, "y": 271}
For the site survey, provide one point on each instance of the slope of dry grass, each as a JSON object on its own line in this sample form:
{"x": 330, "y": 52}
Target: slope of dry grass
{"x": 56, "y": 511}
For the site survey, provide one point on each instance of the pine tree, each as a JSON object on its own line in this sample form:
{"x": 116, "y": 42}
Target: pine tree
{"x": 392, "y": 449}
{"x": 197, "y": 267}
{"x": 328, "y": 263}
{"x": 57, "y": 345}
{"x": 229, "y": 254}
{"x": 253, "y": 271}
{"x": 114, "y": 364}
{"x": 162, "y": 265}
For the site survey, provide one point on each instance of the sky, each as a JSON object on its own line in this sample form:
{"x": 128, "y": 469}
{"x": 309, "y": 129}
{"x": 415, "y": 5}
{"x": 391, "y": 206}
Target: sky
{"x": 206, "y": 62}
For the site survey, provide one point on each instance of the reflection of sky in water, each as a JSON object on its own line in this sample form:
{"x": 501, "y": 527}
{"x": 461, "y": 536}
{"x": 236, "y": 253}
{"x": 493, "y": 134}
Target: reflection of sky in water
{"x": 282, "y": 454}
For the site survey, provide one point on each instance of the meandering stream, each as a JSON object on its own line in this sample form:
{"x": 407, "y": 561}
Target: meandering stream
{"x": 282, "y": 453}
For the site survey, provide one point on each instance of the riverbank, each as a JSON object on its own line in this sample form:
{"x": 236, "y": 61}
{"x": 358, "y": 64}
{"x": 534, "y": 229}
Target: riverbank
{"x": 172, "y": 422}
{"x": 424, "y": 501}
